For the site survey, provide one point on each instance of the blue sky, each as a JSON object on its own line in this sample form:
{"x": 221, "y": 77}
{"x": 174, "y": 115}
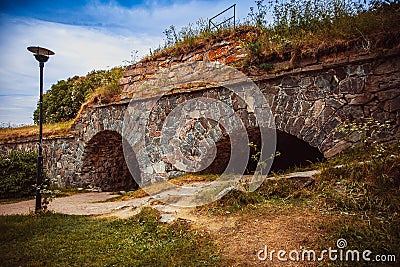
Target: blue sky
{"x": 85, "y": 35}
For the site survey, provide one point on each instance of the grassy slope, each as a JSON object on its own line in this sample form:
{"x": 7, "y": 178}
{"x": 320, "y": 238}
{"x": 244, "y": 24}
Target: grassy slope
{"x": 358, "y": 202}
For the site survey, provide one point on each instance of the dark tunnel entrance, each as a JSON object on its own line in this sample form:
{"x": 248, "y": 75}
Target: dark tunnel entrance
{"x": 104, "y": 165}
{"x": 293, "y": 151}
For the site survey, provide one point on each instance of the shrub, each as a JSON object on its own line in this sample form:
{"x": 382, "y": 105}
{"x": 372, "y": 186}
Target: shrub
{"x": 18, "y": 172}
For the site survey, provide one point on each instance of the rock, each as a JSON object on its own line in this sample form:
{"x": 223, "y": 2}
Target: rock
{"x": 389, "y": 94}
{"x": 322, "y": 83}
{"x": 167, "y": 218}
{"x": 352, "y": 85}
{"x": 290, "y": 81}
{"x": 360, "y": 99}
{"x": 392, "y": 105}
{"x": 174, "y": 174}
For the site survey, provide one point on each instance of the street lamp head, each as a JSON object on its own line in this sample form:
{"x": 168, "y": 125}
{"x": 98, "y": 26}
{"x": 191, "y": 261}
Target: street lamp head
{"x": 41, "y": 54}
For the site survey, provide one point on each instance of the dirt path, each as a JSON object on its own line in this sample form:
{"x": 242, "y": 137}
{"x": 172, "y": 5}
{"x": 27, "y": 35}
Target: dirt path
{"x": 79, "y": 204}
{"x": 240, "y": 238}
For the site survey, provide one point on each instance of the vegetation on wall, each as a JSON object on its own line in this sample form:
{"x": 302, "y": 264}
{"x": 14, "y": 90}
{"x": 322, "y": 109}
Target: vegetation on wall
{"x": 305, "y": 27}
{"x": 290, "y": 29}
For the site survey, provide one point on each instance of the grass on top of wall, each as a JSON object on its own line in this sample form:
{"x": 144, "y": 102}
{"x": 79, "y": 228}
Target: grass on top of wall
{"x": 31, "y": 132}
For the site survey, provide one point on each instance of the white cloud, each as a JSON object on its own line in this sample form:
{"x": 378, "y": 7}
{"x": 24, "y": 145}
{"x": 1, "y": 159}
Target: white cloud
{"x": 79, "y": 50}
{"x": 17, "y": 109}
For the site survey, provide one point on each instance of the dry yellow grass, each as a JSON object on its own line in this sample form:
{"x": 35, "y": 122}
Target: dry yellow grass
{"x": 26, "y": 133}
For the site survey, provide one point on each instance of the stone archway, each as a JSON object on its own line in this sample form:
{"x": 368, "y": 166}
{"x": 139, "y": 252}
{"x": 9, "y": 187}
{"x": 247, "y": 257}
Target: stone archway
{"x": 104, "y": 165}
{"x": 293, "y": 151}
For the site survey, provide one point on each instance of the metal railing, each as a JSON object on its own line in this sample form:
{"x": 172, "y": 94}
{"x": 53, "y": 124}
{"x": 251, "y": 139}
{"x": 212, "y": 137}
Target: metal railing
{"x": 211, "y": 24}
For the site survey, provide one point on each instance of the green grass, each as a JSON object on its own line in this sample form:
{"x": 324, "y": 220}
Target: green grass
{"x": 307, "y": 28}
{"x": 280, "y": 192}
{"x": 364, "y": 195}
{"x": 63, "y": 240}
{"x": 382, "y": 237}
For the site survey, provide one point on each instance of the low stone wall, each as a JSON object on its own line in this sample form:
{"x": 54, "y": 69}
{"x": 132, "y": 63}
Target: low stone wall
{"x": 59, "y": 157}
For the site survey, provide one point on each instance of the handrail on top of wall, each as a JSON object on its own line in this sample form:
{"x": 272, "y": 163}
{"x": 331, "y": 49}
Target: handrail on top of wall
{"x": 210, "y": 21}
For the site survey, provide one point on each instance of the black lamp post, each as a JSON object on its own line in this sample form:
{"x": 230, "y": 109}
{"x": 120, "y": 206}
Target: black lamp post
{"x": 42, "y": 55}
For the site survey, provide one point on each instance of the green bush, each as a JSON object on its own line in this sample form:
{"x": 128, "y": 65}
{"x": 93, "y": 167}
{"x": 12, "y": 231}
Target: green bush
{"x": 18, "y": 172}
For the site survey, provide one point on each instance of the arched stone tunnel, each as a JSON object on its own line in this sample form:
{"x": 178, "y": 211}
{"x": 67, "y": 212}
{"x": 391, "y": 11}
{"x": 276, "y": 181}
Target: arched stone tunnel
{"x": 293, "y": 152}
{"x": 104, "y": 165}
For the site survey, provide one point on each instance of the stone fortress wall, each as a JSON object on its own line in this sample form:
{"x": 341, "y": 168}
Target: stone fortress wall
{"x": 307, "y": 101}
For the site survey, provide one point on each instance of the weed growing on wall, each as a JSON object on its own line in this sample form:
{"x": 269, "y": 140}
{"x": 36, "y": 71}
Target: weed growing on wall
{"x": 370, "y": 133}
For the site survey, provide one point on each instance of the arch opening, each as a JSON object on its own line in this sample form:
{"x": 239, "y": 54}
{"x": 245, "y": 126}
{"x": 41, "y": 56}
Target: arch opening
{"x": 293, "y": 151}
{"x": 104, "y": 165}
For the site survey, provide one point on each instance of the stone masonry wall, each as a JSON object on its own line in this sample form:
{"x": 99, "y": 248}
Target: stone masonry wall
{"x": 310, "y": 101}
{"x": 59, "y": 157}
